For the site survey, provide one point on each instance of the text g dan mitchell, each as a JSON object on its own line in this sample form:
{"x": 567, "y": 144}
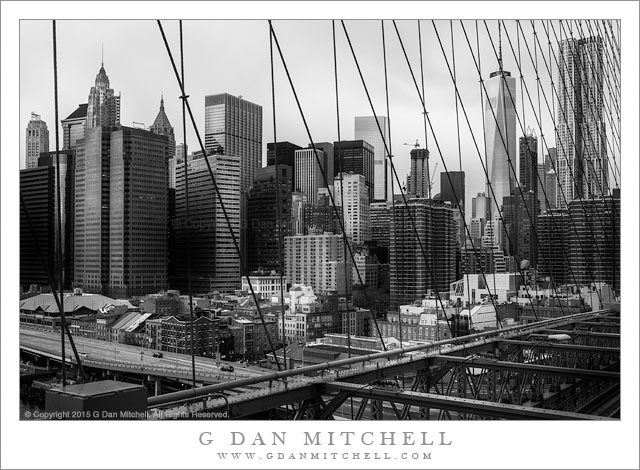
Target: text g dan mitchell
{"x": 331, "y": 438}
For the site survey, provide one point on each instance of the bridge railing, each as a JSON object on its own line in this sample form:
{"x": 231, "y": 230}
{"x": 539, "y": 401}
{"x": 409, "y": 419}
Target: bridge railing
{"x": 449, "y": 345}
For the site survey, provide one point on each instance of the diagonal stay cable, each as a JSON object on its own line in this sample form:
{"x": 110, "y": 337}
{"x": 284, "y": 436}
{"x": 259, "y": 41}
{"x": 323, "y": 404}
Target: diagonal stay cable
{"x": 598, "y": 101}
{"x": 498, "y": 56}
{"x": 527, "y": 143}
{"x": 341, "y": 163}
{"x": 479, "y": 155}
{"x": 561, "y": 143}
{"x": 456, "y": 196}
{"x": 325, "y": 179}
{"x": 563, "y": 152}
{"x": 601, "y": 187}
{"x": 393, "y": 169}
{"x": 512, "y": 100}
{"x": 600, "y": 123}
{"x": 218, "y": 194}
{"x": 607, "y": 105}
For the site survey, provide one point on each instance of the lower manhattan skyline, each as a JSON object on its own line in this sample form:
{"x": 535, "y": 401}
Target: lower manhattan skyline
{"x": 246, "y": 58}
{"x": 247, "y": 269}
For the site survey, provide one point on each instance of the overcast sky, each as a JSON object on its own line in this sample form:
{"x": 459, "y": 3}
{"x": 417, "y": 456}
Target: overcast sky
{"x": 233, "y": 56}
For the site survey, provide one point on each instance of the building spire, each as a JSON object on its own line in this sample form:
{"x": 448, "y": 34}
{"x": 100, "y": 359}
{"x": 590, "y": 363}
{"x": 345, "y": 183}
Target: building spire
{"x": 102, "y": 56}
{"x": 499, "y": 46}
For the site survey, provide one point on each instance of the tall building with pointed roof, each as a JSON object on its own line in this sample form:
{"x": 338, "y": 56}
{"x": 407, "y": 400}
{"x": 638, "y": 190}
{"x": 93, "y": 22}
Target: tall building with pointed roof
{"x": 162, "y": 126}
{"x": 37, "y": 140}
{"x": 103, "y": 107}
{"x": 500, "y": 135}
{"x": 121, "y": 201}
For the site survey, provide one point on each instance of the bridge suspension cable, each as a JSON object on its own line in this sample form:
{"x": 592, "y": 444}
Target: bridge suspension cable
{"x": 218, "y": 194}
{"x": 325, "y": 179}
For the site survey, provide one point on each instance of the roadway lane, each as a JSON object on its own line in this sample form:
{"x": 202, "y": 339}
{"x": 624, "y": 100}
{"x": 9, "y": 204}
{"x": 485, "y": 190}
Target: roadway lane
{"x": 97, "y": 350}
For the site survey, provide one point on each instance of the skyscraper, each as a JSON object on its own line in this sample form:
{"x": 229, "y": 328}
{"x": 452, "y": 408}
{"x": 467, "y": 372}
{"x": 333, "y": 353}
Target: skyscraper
{"x": 551, "y": 178}
{"x": 317, "y": 260}
{"x": 120, "y": 238}
{"x": 581, "y": 133}
{"x": 37, "y": 140}
{"x": 162, "y": 126}
{"x": 480, "y": 207}
{"x": 418, "y": 181}
{"x": 353, "y": 192}
{"x": 91, "y": 234}
{"x": 528, "y": 146}
{"x": 520, "y": 215}
{"x": 67, "y": 197}
{"x": 286, "y": 155}
{"x": 73, "y": 127}
{"x": 298, "y": 202}
{"x": 542, "y": 188}
{"x": 233, "y": 127}
{"x": 500, "y": 135}
{"x": 138, "y": 212}
{"x": 381, "y": 220}
{"x": 452, "y": 189}
{"x": 37, "y": 189}
{"x": 262, "y": 232}
{"x": 103, "y": 107}
{"x": 411, "y": 275}
{"x": 356, "y": 156}
{"x": 367, "y": 128}
{"x": 320, "y": 216}
{"x": 215, "y": 264}
{"x": 308, "y": 175}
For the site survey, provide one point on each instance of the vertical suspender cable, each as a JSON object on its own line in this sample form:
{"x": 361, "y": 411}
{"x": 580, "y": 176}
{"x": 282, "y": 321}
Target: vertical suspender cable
{"x": 462, "y": 213}
{"x": 278, "y": 208}
{"x": 390, "y": 155}
{"x": 324, "y": 177}
{"x": 63, "y": 319}
{"x": 395, "y": 174}
{"x": 218, "y": 193}
{"x": 188, "y": 225}
{"x": 341, "y": 164}
{"x": 538, "y": 120}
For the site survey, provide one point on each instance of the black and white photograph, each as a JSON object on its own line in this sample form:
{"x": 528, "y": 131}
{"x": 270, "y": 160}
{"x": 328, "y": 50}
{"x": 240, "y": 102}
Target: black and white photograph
{"x": 319, "y": 234}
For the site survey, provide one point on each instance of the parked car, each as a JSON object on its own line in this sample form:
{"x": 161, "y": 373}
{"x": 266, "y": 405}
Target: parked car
{"x": 157, "y": 354}
{"x": 226, "y": 368}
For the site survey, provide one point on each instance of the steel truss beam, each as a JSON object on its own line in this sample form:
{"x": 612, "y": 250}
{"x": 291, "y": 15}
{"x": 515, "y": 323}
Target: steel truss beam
{"x": 460, "y": 405}
{"x": 549, "y": 346}
{"x": 592, "y": 375}
{"x": 593, "y": 334}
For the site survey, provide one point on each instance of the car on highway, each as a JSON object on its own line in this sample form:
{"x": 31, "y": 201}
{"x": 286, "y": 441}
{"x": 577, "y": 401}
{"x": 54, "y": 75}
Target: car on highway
{"x": 157, "y": 354}
{"x": 226, "y": 368}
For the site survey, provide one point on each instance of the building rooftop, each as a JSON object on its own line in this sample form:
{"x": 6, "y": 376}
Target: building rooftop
{"x": 71, "y": 303}
{"x": 80, "y": 112}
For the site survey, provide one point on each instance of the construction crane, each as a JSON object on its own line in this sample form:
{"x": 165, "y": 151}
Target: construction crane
{"x": 416, "y": 145}
{"x": 432, "y": 178}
